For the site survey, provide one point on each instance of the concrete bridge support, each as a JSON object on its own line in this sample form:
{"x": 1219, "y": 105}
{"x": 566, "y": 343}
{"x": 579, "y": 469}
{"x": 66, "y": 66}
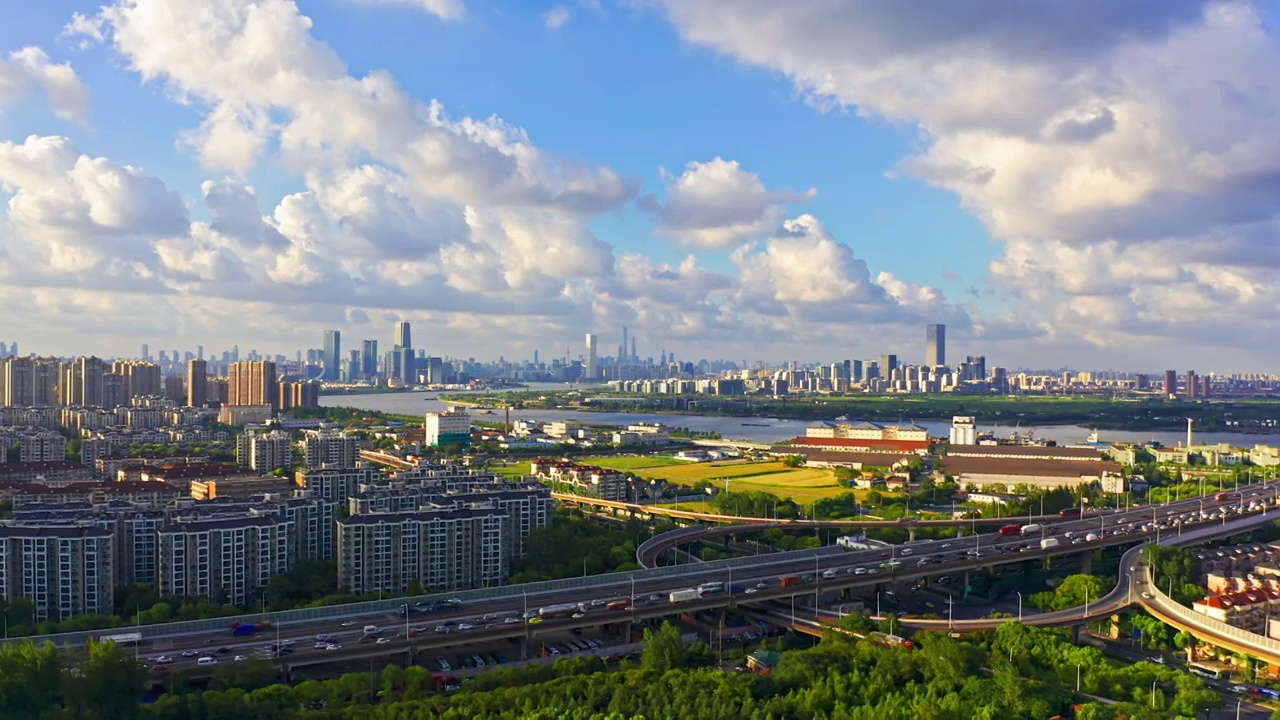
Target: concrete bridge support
{"x": 1086, "y": 563}
{"x": 911, "y": 534}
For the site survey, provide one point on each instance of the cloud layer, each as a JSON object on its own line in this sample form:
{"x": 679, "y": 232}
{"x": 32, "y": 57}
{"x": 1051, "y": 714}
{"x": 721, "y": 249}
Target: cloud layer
{"x": 1124, "y": 153}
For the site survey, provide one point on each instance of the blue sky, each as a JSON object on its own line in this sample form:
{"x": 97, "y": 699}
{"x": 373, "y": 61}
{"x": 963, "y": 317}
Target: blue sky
{"x": 1050, "y": 263}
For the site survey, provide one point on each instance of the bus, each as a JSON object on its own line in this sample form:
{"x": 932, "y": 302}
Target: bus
{"x": 122, "y": 638}
{"x": 1206, "y": 672}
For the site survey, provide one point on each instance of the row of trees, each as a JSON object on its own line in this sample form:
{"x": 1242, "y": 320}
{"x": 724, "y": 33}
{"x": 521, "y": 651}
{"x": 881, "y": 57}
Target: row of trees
{"x": 1016, "y": 671}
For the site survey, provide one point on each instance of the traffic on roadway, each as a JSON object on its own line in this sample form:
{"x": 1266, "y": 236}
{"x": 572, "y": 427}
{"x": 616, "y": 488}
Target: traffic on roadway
{"x": 428, "y": 624}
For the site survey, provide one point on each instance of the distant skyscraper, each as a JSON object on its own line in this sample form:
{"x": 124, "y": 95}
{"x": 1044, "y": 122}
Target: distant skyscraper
{"x": 369, "y": 359}
{"x": 592, "y": 371}
{"x": 403, "y": 337}
{"x": 622, "y": 352}
{"x": 1170, "y": 383}
{"x": 332, "y": 354}
{"x": 197, "y": 373}
{"x": 935, "y": 345}
{"x": 408, "y": 366}
{"x": 888, "y": 363}
{"x": 146, "y": 352}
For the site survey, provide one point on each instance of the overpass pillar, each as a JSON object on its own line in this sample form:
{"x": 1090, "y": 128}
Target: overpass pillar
{"x": 911, "y": 534}
{"x": 524, "y": 645}
{"x": 1086, "y": 563}
{"x": 966, "y": 583}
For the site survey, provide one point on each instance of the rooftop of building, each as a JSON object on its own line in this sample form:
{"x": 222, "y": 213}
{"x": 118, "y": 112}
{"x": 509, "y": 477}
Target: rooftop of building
{"x": 1029, "y": 467}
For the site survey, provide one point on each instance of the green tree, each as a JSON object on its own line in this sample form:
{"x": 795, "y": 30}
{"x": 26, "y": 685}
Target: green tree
{"x": 663, "y": 650}
{"x": 106, "y": 685}
{"x": 30, "y": 680}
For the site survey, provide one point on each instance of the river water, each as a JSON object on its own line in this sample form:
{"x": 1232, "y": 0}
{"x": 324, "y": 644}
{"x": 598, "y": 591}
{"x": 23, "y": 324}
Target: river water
{"x": 763, "y": 430}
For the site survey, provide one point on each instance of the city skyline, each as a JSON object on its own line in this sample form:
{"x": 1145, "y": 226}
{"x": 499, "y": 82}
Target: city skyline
{"x": 832, "y": 180}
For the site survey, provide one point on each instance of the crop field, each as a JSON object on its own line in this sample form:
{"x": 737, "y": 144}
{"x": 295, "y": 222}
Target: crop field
{"x": 800, "y": 484}
{"x": 632, "y": 462}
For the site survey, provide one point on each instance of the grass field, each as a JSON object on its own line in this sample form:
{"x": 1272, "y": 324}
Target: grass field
{"x": 632, "y": 462}
{"x": 800, "y": 484}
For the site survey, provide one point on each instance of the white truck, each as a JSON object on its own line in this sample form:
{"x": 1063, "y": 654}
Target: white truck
{"x": 685, "y": 595}
{"x": 1049, "y": 542}
{"x": 1030, "y": 529}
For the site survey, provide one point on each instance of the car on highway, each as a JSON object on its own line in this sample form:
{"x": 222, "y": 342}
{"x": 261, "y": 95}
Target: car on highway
{"x": 579, "y": 615}
{"x": 946, "y": 545}
{"x": 323, "y": 638}
{"x": 322, "y": 644}
{"x": 163, "y": 659}
{"x": 1242, "y": 689}
{"x": 443, "y": 664}
{"x": 349, "y": 623}
{"x": 1146, "y": 596}
{"x": 466, "y": 626}
{"x": 207, "y": 660}
{"x": 333, "y": 646}
{"x": 535, "y": 621}
{"x": 383, "y": 641}
{"x": 511, "y": 621}
{"x": 190, "y": 653}
{"x": 752, "y": 591}
{"x": 239, "y": 658}
{"x": 907, "y": 551}
{"x": 762, "y": 585}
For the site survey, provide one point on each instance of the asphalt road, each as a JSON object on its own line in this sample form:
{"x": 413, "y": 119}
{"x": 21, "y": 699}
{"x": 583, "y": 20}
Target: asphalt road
{"x": 943, "y": 556}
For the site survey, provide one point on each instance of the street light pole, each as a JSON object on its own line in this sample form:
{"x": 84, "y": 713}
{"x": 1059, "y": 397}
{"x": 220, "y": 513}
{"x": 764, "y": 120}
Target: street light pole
{"x": 1019, "y": 605}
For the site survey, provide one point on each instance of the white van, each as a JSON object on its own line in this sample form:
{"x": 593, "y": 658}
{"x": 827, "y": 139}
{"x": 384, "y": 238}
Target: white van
{"x": 371, "y": 630}
{"x": 207, "y": 660}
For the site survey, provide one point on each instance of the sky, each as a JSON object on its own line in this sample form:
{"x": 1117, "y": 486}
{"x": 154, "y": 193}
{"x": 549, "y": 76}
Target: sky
{"x": 1084, "y": 184}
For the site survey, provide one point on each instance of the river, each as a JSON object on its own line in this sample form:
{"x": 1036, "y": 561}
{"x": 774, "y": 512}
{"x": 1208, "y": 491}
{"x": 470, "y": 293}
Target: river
{"x": 762, "y": 430}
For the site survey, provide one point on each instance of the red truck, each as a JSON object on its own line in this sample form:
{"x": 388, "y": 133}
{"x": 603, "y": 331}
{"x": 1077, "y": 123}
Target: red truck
{"x": 1010, "y": 530}
{"x": 1221, "y": 496}
{"x": 1069, "y": 513}
{"x": 790, "y": 580}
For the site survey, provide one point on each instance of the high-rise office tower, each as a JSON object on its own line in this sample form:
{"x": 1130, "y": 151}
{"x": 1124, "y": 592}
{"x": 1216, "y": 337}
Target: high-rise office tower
{"x": 635, "y": 357}
{"x": 888, "y": 363}
{"x": 935, "y": 354}
{"x": 146, "y": 352}
{"x": 332, "y": 355}
{"x": 403, "y": 337}
{"x": 197, "y": 371}
{"x": 1170, "y": 383}
{"x": 622, "y": 353}
{"x": 591, "y": 356}
{"x": 252, "y": 382}
{"x": 369, "y": 359}
{"x": 408, "y": 366}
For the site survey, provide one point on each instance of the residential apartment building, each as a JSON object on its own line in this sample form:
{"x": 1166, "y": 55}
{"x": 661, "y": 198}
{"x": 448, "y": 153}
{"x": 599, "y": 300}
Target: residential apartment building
{"x": 331, "y": 448}
{"x": 264, "y": 451}
{"x": 336, "y": 484}
{"x": 228, "y": 559}
{"x": 252, "y": 382}
{"x": 442, "y": 550}
{"x": 65, "y": 570}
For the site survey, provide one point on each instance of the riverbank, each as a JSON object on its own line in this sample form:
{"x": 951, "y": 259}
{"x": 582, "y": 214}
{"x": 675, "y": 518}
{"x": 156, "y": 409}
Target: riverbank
{"x": 1259, "y": 417}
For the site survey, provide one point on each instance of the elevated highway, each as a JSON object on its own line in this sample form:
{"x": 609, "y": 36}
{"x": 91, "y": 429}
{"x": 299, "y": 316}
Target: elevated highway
{"x": 658, "y": 510}
{"x": 501, "y": 611}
